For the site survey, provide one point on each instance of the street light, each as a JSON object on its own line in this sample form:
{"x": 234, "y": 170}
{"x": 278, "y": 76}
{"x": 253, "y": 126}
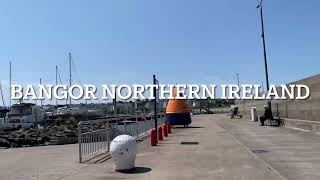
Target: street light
{"x": 238, "y": 79}
{"x": 238, "y": 84}
{"x": 260, "y": 6}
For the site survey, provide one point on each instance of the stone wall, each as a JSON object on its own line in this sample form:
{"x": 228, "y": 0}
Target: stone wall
{"x": 308, "y": 109}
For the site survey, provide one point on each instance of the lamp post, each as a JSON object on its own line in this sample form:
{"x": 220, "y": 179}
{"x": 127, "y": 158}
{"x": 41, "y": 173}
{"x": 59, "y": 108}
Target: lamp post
{"x": 238, "y": 81}
{"x": 260, "y": 6}
{"x": 155, "y": 107}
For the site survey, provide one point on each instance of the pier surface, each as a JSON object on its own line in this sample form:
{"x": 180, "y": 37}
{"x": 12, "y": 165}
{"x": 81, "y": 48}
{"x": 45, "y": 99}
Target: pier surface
{"x": 226, "y": 149}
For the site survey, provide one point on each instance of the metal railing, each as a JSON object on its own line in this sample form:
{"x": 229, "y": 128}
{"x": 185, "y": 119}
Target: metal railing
{"x": 95, "y": 135}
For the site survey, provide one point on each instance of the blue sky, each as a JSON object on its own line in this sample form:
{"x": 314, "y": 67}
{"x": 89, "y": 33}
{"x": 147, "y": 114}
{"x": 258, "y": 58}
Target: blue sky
{"x": 181, "y": 41}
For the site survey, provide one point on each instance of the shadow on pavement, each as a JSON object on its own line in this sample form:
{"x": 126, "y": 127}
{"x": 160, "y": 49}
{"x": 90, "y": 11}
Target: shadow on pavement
{"x": 190, "y": 127}
{"x": 137, "y": 170}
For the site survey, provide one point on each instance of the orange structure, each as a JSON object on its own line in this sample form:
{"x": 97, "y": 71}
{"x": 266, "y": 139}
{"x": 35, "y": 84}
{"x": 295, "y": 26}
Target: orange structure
{"x": 177, "y": 111}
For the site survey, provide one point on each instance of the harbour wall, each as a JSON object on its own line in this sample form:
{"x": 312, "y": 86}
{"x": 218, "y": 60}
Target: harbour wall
{"x": 307, "y": 110}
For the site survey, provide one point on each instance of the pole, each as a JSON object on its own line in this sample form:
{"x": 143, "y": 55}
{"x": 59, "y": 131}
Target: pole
{"x": 238, "y": 79}
{"x": 137, "y": 122}
{"x": 264, "y": 49}
{"x": 3, "y": 102}
{"x": 69, "y": 77}
{"x": 115, "y": 106}
{"x": 238, "y": 82}
{"x": 10, "y": 86}
{"x": 155, "y": 108}
{"x": 80, "y": 141}
{"x": 56, "y": 81}
{"x": 40, "y": 99}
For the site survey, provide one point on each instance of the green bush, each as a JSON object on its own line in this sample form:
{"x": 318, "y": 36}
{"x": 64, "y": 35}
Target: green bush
{"x": 72, "y": 121}
{"x": 58, "y": 121}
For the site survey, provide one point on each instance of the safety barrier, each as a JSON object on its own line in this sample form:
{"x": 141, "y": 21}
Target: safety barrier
{"x": 95, "y": 135}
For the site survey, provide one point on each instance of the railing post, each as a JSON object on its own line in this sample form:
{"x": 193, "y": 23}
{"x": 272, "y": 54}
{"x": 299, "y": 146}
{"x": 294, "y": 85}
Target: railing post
{"x": 125, "y": 126}
{"x": 108, "y": 141}
{"x": 137, "y": 126}
{"x": 97, "y": 139}
{"x": 145, "y": 126}
{"x": 79, "y": 141}
{"x": 91, "y": 143}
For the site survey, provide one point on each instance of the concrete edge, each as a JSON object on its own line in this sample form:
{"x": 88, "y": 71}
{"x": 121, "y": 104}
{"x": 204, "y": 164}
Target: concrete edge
{"x": 303, "y": 125}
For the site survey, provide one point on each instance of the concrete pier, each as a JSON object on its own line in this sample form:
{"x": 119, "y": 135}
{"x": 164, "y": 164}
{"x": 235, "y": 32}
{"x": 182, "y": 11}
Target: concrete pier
{"x": 226, "y": 149}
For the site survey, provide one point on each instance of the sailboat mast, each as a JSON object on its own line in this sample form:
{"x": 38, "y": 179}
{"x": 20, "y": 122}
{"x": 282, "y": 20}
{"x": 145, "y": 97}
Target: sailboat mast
{"x": 70, "y": 76}
{"x": 56, "y": 81}
{"x": 3, "y": 102}
{"x": 10, "y": 86}
{"x": 41, "y": 99}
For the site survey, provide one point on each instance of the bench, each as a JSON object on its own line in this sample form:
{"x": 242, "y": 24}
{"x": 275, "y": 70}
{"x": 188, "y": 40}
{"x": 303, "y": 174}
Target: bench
{"x": 232, "y": 116}
{"x": 276, "y": 121}
{"x": 238, "y": 115}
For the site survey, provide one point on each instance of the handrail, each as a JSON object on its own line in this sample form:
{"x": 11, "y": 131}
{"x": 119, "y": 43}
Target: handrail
{"x": 96, "y": 140}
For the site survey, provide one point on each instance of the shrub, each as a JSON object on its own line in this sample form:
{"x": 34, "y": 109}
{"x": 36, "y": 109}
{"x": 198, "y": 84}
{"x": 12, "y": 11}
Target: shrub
{"x": 58, "y": 121}
{"x": 72, "y": 121}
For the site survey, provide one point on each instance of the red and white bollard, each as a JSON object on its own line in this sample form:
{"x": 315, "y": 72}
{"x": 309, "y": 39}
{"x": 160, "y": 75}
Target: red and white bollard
{"x": 169, "y": 128}
{"x": 153, "y": 137}
{"x": 165, "y": 130}
{"x": 160, "y": 137}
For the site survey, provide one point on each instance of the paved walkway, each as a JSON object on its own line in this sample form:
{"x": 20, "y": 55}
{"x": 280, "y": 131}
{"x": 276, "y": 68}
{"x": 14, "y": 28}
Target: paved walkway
{"x": 224, "y": 152}
{"x": 295, "y": 154}
{"x": 46, "y": 162}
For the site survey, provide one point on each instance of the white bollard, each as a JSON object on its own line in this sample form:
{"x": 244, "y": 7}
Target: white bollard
{"x": 254, "y": 117}
{"x": 123, "y": 150}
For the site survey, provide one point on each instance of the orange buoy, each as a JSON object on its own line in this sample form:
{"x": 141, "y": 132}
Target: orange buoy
{"x": 177, "y": 112}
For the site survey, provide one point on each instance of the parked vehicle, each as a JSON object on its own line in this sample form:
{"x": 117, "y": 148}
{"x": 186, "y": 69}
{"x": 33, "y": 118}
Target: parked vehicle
{"x": 3, "y": 113}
